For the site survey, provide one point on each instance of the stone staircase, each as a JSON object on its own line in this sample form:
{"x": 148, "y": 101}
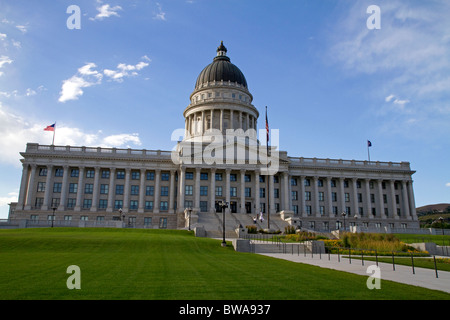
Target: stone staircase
{"x": 212, "y": 223}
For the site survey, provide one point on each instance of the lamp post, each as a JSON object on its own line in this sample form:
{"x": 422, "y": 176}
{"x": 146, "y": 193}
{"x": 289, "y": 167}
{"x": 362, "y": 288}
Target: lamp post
{"x": 223, "y": 205}
{"x": 190, "y": 213}
{"x": 53, "y": 218}
{"x": 344, "y": 214}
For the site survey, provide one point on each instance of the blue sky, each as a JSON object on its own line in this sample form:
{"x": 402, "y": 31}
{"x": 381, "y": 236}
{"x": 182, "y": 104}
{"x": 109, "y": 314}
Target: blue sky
{"x": 330, "y": 83}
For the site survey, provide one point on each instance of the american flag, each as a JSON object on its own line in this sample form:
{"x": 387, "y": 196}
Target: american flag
{"x": 267, "y": 127}
{"x": 50, "y": 128}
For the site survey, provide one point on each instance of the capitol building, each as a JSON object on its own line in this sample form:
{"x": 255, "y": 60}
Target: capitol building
{"x": 218, "y": 157}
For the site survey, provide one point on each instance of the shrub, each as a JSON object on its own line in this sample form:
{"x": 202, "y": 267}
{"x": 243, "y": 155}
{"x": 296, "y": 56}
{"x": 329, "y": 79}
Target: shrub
{"x": 252, "y": 229}
{"x": 289, "y": 230}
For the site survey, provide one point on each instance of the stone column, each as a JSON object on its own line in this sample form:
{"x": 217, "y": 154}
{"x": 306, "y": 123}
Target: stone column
{"x": 227, "y": 189}
{"x": 31, "y": 188}
{"x": 355, "y": 198}
{"x": 24, "y": 186}
{"x": 112, "y": 177}
{"x": 405, "y": 199}
{"x": 257, "y": 204}
{"x": 271, "y": 194}
{"x": 221, "y": 121}
{"x": 316, "y": 196}
{"x": 242, "y": 175}
{"x": 172, "y": 191}
{"x": 80, "y": 189}
{"x": 341, "y": 195}
{"x": 156, "y": 203}
{"x": 197, "y": 189}
{"x": 96, "y": 189}
{"x": 302, "y": 197}
{"x": 412, "y": 201}
{"x": 212, "y": 119}
{"x": 212, "y": 192}
{"x": 141, "y": 203}
{"x": 48, "y": 185}
{"x": 380, "y": 199}
{"x": 329, "y": 198}
{"x": 285, "y": 191}
{"x": 231, "y": 119}
{"x": 126, "y": 195}
{"x": 64, "y": 188}
{"x": 368, "y": 200}
{"x": 181, "y": 181}
{"x": 393, "y": 206}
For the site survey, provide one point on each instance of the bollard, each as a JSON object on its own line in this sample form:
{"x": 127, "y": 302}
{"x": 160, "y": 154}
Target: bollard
{"x": 393, "y": 262}
{"x": 412, "y": 263}
{"x": 350, "y": 255}
{"x": 339, "y": 257}
{"x": 362, "y": 257}
{"x": 376, "y": 257}
{"x": 435, "y": 267}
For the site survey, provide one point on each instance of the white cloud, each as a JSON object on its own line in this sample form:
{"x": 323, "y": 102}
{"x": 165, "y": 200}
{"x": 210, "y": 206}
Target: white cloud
{"x": 22, "y": 28}
{"x": 10, "y": 197}
{"x": 125, "y": 70}
{"x": 447, "y": 184}
{"x": 106, "y": 11}
{"x": 159, "y": 15}
{"x": 16, "y": 132}
{"x": 3, "y": 36}
{"x": 86, "y": 77}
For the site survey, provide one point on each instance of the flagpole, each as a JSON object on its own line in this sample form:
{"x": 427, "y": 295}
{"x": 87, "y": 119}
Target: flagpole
{"x": 54, "y": 131}
{"x": 368, "y": 149}
{"x": 268, "y": 175}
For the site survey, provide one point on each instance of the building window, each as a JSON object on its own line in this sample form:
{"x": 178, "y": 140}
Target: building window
{"x": 120, "y": 174}
{"x": 149, "y": 190}
{"x": 133, "y": 204}
{"x": 74, "y": 173}
{"x": 135, "y": 190}
{"x": 71, "y": 203}
{"x": 73, "y": 187}
{"x": 218, "y": 177}
{"x": 218, "y": 191}
{"x": 150, "y": 175}
{"x": 118, "y": 204}
{"x": 119, "y": 189}
{"x": 276, "y": 193}
{"x": 104, "y": 188}
{"x": 59, "y": 172}
{"x": 321, "y": 196}
{"x": 164, "y": 191}
{"x": 277, "y": 207}
{"x": 333, "y": 183}
{"x": 262, "y": 179}
{"x": 41, "y": 187}
{"x": 307, "y": 182}
{"x": 39, "y": 202}
{"x": 188, "y": 204}
{"x": 293, "y": 181}
{"x": 262, "y": 192}
{"x": 295, "y": 209}
{"x": 360, "y": 197}
{"x": 203, "y": 190}
{"x": 294, "y": 195}
{"x": 165, "y": 176}
{"x": 57, "y": 187}
{"x": 233, "y": 192}
{"x": 55, "y": 202}
{"x": 147, "y": 221}
{"x": 347, "y": 197}
{"x": 43, "y": 172}
{"x": 88, "y": 188}
{"x": 372, "y": 198}
{"x": 233, "y": 177}
{"x": 189, "y": 176}
{"x": 90, "y": 173}
{"x": 308, "y": 210}
{"x": 322, "y": 210}
{"x": 247, "y": 178}
{"x": 188, "y": 190}
{"x": 248, "y": 192}
{"x": 100, "y": 218}
{"x": 307, "y": 195}
{"x": 87, "y": 203}
{"x": 384, "y": 198}
{"x": 334, "y": 196}
{"x": 84, "y": 218}
{"x": 102, "y": 204}
{"x": 320, "y": 183}
{"x": 105, "y": 174}
{"x": 148, "y": 205}
{"x": 135, "y": 175}
{"x": 164, "y": 206}
{"x": 204, "y": 206}
{"x": 163, "y": 223}
{"x": 204, "y": 176}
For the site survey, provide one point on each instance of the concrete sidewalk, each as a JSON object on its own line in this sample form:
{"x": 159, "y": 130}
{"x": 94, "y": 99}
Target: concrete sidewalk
{"x": 403, "y": 274}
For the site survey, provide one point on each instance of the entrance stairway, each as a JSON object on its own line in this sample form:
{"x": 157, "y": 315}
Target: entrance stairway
{"x": 212, "y": 223}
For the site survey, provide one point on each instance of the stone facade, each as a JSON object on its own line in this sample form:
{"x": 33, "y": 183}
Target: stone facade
{"x": 153, "y": 189}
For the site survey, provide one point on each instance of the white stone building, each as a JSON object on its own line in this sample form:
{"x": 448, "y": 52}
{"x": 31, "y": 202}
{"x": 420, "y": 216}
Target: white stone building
{"x": 219, "y": 158}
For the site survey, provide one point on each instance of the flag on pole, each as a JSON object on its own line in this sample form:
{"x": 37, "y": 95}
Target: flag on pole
{"x": 267, "y": 127}
{"x": 50, "y": 128}
{"x": 369, "y": 144}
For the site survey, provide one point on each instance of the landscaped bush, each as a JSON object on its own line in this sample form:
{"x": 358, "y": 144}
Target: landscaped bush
{"x": 289, "y": 230}
{"x": 252, "y": 229}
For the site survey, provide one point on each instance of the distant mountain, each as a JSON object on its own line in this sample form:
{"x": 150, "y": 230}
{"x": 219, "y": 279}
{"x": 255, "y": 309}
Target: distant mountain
{"x": 440, "y": 207}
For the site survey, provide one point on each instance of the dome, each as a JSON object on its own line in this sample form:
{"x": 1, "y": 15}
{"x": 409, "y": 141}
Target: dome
{"x": 221, "y": 69}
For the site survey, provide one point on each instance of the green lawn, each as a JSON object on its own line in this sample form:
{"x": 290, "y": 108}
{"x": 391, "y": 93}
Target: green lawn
{"x": 167, "y": 264}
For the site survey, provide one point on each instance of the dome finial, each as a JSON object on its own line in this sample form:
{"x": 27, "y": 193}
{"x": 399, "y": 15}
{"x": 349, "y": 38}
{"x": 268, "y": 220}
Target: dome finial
{"x": 221, "y": 50}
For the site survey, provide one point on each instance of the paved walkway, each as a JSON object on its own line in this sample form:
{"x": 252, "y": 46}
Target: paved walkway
{"x": 403, "y": 274}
